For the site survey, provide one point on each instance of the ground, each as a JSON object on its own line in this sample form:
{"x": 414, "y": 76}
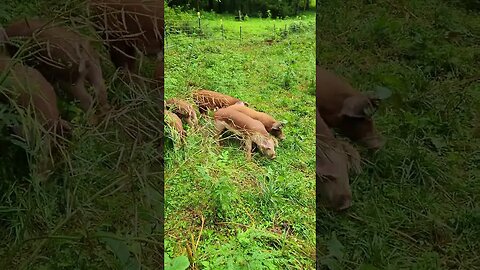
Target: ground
{"x": 102, "y": 208}
{"x": 222, "y": 211}
{"x": 416, "y": 202}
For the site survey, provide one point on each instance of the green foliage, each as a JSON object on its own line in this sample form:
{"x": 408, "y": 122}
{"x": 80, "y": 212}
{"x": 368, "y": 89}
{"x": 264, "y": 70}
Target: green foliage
{"x": 258, "y": 214}
{"x": 101, "y": 207}
{"x": 178, "y": 263}
{"x": 414, "y": 196}
{"x": 259, "y": 8}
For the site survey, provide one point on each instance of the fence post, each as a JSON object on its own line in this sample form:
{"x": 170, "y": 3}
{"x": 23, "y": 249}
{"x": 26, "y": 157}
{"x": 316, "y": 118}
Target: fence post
{"x": 223, "y": 34}
{"x": 199, "y": 24}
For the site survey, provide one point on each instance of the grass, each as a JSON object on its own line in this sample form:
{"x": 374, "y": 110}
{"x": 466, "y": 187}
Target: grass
{"x": 102, "y": 208}
{"x": 221, "y": 211}
{"x": 416, "y": 203}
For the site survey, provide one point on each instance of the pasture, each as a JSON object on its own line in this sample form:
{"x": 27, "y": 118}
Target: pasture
{"x": 221, "y": 211}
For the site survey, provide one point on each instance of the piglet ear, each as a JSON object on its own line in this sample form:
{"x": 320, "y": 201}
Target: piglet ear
{"x": 275, "y": 141}
{"x": 267, "y": 143}
{"x": 277, "y": 126}
{"x": 354, "y": 107}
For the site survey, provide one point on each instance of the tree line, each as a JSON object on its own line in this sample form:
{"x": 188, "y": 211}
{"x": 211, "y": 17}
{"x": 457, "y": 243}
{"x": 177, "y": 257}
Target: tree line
{"x": 252, "y": 8}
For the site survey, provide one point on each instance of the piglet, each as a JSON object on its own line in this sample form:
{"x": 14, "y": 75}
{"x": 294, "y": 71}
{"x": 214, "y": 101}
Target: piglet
{"x": 251, "y": 130}
{"x": 183, "y": 109}
{"x": 27, "y": 87}
{"x": 211, "y": 100}
{"x": 334, "y": 160}
{"x": 127, "y": 25}
{"x": 175, "y": 123}
{"x": 346, "y": 109}
{"x": 273, "y": 126}
{"x": 63, "y": 55}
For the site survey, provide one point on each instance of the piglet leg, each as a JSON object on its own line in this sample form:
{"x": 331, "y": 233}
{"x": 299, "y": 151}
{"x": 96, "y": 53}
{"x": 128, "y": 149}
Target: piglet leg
{"x": 219, "y": 128}
{"x": 189, "y": 121}
{"x": 95, "y": 78}
{"x": 248, "y": 148}
{"x": 80, "y": 92}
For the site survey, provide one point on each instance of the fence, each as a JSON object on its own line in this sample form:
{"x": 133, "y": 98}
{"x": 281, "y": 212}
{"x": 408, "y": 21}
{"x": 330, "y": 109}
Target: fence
{"x": 216, "y": 29}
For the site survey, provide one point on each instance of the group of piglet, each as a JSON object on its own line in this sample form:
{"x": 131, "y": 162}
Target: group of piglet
{"x": 348, "y": 111}
{"x": 53, "y": 54}
{"x": 230, "y": 114}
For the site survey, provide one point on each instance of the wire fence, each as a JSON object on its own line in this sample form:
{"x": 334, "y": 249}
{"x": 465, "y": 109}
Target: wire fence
{"x": 220, "y": 30}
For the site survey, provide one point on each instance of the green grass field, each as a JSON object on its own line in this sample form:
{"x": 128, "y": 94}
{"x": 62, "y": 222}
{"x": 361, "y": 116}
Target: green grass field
{"x": 416, "y": 205}
{"x": 220, "y": 210}
{"x": 101, "y": 209}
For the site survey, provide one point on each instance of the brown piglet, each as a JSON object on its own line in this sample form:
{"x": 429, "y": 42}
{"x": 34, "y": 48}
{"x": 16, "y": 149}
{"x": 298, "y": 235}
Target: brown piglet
{"x": 273, "y": 126}
{"x": 26, "y": 87}
{"x": 346, "y": 109}
{"x": 183, "y": 109}
{"x": 211, "y": 100}
{"x": 61, "y": 55}
{"x": 251, "y": 130}
{"x": 128, "y": 25}
{"x": 175, "y": 123}
{"x": 334, "y": 160}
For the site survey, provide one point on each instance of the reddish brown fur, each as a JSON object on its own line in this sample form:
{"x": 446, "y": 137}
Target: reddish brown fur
{"x": 250, "y": 129}
{"x": 68, "y": 58}
{"x": 273, "y": 126}
{"x": 211, "y": 100}
{"x": 126, "y": 24}
{"x": 26, "y": 86}
{"x": 175, "y": 123}
{"x": 334, "y": 159}
{"x": 343, "y": 107}
{"x": 183, "y": 109}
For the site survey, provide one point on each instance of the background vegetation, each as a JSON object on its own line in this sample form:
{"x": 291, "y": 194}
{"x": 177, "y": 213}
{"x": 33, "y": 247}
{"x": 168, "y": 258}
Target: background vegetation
{"x": 221, "y": 211}
{"x": 253, "y": 8}
{"x": 416, "y": 205}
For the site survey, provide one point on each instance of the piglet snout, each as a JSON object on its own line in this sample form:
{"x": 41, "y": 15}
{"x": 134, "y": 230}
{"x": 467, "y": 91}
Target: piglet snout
{"x": 343, "y": 202}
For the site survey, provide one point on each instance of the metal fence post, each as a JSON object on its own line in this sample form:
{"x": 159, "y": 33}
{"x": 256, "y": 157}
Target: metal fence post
{"x": 223, "y": 34}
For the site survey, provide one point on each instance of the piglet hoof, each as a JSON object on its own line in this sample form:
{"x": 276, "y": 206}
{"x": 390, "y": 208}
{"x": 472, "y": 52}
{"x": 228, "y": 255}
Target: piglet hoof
{"x": 93, "y": 120}
{"x": 64, "y": 128}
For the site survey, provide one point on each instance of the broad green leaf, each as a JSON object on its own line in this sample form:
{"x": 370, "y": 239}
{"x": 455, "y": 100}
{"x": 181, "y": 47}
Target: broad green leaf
{"x": 382, "y": 92}
{"x": 178, "y": 263}
{"x": 335, "y": 248}
{"x": 118, "y": 247}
